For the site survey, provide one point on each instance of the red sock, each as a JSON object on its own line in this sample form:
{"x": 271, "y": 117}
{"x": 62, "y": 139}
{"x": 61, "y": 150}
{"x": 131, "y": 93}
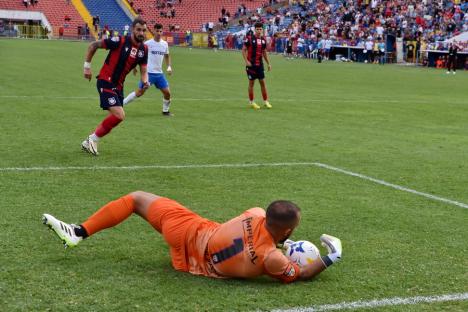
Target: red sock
{"x": 110, "y": 215}
{"x": 251, "y": 95}
{"x": 264, "y": 94}
{"x": 106, "y": 125}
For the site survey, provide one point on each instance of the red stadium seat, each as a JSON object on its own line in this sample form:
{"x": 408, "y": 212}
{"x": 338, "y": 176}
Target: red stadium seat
{"x": 55, "y": 11}
{"x": 191, "y": 14}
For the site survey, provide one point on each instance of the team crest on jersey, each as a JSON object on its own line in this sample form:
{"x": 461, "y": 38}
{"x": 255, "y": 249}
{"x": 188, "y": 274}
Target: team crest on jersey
{"x": 115, "y": 39}
{"x": 112, "y": 101}
{"x": 141, "y": 53}
{"x": 133, "y": 53}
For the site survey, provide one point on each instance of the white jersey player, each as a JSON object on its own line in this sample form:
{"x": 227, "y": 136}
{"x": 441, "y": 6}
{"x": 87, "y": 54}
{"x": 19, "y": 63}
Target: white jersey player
{"x": 158, "y": 50}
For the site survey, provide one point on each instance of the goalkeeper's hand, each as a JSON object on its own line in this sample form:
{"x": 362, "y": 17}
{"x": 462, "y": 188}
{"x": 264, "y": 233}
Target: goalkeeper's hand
{"x": 333, "y": 245}
{"x": 286, "y": 244}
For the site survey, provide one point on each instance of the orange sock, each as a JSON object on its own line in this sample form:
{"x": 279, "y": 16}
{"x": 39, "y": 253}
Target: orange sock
{"x": 110, "y": 215}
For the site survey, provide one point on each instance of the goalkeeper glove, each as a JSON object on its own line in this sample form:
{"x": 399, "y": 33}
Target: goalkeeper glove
{"x": 286, "y": 244}
{"x": 333, "y": 245}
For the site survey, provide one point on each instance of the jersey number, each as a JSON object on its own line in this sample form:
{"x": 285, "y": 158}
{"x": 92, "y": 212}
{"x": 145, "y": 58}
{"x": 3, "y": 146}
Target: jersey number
{"x": 228, "y": 252}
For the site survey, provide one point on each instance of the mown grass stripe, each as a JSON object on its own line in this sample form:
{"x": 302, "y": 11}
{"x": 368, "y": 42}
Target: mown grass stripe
{"x": 283, "y": 164}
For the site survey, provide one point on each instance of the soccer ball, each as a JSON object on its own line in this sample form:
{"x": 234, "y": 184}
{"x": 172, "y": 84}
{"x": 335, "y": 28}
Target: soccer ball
{"x": 302, "y": 252}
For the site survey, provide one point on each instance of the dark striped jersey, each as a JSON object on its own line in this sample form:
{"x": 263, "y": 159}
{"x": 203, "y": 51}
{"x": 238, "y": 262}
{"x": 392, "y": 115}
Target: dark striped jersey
{"x": 255, "y": 47}
{"x": 452, "y": 52}
{"x": 122, "y": 58}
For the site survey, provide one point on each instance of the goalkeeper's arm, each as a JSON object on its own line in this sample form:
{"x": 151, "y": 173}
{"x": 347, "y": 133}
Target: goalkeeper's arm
{"x": 333, "y": 245}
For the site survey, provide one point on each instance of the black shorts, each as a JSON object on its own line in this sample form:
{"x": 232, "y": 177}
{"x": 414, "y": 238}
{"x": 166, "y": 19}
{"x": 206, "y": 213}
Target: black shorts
{"x": 255, "y": 72}
{"x": 109, "y": 94}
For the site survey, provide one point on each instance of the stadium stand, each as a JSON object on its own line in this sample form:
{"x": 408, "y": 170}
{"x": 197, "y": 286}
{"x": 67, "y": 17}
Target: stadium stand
{"x": 189, "y": 14}
{"x": 353, "y": 23}
{"x": 60, "y": 14}
{"x": 110, "y": 14}
{"x": 349, "y": 27}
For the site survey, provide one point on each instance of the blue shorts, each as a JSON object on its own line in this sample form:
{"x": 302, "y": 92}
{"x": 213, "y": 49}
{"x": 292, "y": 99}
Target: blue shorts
{"x": 109, "y": 95}
{"x": 158, "y": 80}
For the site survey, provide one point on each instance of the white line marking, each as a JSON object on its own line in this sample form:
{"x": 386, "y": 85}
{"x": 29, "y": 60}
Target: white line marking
{"x": 395, "y": 186}
{"x": 194, "y": 166}
{"x": 189, "y": 166}
{"x": 175, "y": 99}
{"x": 47, "y": 97}
{"x": 219, "y": 99}
{"x": 379, "y": 303}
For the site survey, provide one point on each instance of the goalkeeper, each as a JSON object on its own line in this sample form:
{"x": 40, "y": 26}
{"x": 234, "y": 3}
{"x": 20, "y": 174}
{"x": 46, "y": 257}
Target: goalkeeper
{"x": 243, "y": 247}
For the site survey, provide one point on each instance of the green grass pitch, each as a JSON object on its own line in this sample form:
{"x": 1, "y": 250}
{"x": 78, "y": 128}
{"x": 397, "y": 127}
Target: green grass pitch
{"x": 406, "y": 126}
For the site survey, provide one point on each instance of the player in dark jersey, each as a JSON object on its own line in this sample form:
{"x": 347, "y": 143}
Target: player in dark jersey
{"x": 254, "y": 51}
{"x": 124, "y": 55}
{"x": 452, "y": 58}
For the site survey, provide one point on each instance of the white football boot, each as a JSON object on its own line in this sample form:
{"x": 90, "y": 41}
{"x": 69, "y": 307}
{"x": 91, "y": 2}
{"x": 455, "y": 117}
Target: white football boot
{"x": 63, "y": 230}
{"x": 90, "y": 146}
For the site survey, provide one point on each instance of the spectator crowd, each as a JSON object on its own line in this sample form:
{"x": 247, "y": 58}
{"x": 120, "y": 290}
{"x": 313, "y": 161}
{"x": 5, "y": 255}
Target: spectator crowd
{"x": 313, "y": 25}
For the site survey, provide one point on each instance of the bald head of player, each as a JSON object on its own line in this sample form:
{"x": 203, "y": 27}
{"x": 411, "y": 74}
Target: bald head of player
{"x": 282, "y": 217}
{"x": 138, "y": 30}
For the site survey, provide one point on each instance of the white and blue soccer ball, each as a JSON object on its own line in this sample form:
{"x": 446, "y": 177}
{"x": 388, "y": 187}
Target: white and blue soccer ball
{"x": 302, "y": 252}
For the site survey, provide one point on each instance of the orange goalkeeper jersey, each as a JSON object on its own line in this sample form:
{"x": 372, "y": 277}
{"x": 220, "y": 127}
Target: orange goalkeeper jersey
{"x": 240, "y": 248}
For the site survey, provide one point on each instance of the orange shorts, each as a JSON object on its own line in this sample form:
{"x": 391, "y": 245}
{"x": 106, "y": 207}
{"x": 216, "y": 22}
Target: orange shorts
{"x": 173, "y": 221}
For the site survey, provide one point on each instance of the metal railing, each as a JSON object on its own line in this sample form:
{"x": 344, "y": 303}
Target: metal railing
{"x": 40, "y": 32}
{"x": 25, "y": 31}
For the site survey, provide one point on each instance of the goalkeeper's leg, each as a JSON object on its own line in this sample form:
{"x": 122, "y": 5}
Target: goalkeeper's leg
{"x": 118, "y": 210}
{"x": 115, "y": 212}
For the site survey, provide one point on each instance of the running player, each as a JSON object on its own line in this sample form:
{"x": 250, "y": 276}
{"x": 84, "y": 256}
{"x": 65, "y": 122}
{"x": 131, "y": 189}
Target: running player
{"x": 124, "y": 55}
{"x": 243, "y": 247}
{"x": 157, "y": 50}
{"x": 254, "y": 51}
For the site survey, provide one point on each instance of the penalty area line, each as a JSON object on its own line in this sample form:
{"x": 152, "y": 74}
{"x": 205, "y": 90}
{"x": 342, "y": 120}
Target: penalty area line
{"x": 284, "y": 164}
{"x": 375, "y": 303}
{"x": 394, "y": 186}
